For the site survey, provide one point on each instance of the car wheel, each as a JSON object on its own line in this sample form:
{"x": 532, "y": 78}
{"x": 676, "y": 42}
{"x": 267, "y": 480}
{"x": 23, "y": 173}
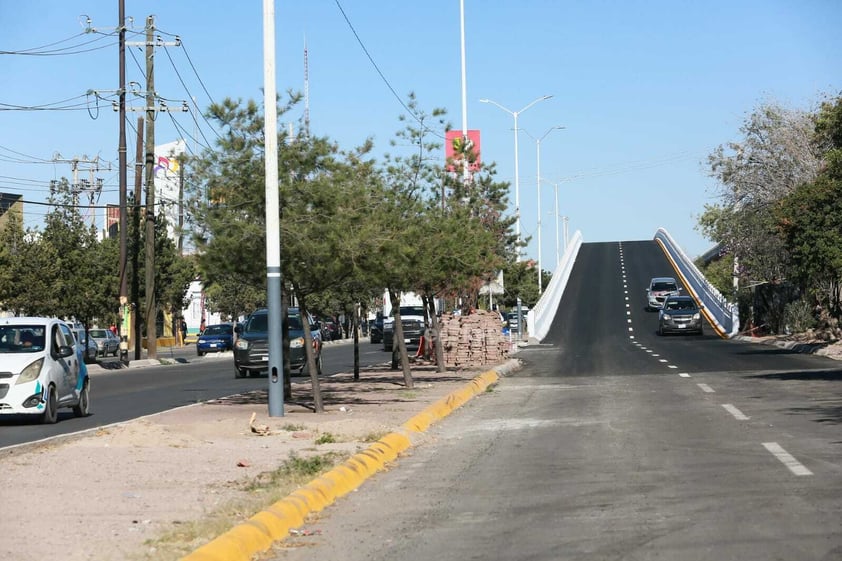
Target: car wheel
{"x": 83, "y": 408}
{"x": 319, "y": 365}
{"x": 50, "y": 414}
{"x": 240, "y": 373}
{"x": 660, "y": 331}
{"x": 199, "y": 353}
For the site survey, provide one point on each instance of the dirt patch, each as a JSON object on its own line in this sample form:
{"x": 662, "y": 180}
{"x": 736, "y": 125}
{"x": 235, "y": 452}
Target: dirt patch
{"x": 111, "y": 494}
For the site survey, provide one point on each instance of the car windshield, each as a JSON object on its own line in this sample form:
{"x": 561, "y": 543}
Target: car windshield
{"x": 294, "y": 322}
{"x": 98, "y": 333}
{"x": 664, "y": 286}
{"x": 259, "y": 323}
{"x": 21, "y": 338}
{"x": 217, "y": 330}
{"x": 683, "y": 304}
{"x": 412, "y": 310}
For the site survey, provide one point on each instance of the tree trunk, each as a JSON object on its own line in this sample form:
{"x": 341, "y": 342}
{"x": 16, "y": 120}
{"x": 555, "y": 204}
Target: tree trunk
{"x": 398, "y": 343}
{"x": 356, "y": 342}
{"x": 435, "y": 327}
{"x": 318, "y": 404}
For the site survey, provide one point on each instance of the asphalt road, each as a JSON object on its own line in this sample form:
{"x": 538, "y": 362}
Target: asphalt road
{"x": 118, "y": 395}
{"x": 614, "y": 443}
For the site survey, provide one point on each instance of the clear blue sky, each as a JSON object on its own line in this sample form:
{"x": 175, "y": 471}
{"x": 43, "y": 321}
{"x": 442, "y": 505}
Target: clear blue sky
{"x": 645, "y": 90}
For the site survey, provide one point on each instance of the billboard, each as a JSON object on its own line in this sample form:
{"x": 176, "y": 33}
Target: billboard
{"x": 112, "y": 220}
{"x": 456, "y": 148}
{"x": 167, "y": 172}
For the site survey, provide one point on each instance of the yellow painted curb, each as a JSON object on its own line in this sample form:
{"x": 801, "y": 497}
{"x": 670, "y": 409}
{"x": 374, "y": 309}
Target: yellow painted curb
{"x": 257, "y": 534}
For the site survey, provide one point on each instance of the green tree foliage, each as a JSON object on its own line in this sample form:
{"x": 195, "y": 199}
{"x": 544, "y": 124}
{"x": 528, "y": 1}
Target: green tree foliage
{"x": 86, "y": 283}
{"x": 810, "y": 218}
{"x": 28, "y": 266}
{"x": 776, "y": 154}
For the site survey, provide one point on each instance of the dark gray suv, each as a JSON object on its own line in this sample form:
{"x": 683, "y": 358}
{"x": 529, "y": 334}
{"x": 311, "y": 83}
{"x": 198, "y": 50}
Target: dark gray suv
{"x": 251, "y": 351}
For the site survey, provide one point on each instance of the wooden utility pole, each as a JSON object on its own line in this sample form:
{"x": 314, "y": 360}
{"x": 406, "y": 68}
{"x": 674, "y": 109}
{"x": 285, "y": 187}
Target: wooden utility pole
{"x": 138, "y": 185}
{"x": 151, "y": 304}
{"x": 123, "y": 325}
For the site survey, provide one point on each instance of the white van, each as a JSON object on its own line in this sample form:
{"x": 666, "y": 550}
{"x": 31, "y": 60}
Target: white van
{"x": 41, "y": 369}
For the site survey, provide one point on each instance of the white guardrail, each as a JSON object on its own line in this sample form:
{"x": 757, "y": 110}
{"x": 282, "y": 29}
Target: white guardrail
{"x": 541, "y": 316}
{"x": 723, "y": 314}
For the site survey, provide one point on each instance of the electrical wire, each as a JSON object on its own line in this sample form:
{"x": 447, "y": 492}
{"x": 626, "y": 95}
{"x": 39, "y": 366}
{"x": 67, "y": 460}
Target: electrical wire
{"x": 70, "y": 50}
{"x": 186, "y": 89}
{"x": 380, "y": 73}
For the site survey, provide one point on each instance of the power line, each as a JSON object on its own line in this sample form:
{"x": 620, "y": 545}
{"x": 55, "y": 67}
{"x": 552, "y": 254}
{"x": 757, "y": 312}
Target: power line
{"x": 382, "y": 76}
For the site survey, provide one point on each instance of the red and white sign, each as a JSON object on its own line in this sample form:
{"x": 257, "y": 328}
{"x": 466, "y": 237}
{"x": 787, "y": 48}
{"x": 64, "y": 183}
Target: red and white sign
{"x": 455, "y": 148}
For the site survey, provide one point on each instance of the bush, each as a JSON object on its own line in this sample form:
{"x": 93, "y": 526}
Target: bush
{"x": 799, "y": 316}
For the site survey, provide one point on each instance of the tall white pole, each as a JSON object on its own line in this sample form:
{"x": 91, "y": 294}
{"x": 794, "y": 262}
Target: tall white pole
{"x": 517, "y": 194}
{"x": 538, "y": 151}
{"x": 565, "y": 233}
{"x": 557, "y": 255}
{"x": 466, "y": 174}
{"x": 273, "y": 214}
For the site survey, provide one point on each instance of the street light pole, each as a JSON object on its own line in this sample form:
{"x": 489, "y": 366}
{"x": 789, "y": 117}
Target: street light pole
{"x": 538, "y": 152}
{"x": 557, "y": 256}
{"x": 517, "y": 175}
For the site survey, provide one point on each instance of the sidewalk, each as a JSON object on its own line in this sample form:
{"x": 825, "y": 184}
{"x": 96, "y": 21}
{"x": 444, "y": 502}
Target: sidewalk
{"x": 210, "y": 481}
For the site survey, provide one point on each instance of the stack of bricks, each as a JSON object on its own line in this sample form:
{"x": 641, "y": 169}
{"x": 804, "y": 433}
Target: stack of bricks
{"x": 475, "y": 339}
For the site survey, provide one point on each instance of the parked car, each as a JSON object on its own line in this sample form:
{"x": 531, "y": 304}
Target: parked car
{"x": 107, "y": 342}
{"x": 215, "y": 339}
{"x": 659, "y": 289}
{"x": 680, "y": 314}
{"x": 412, "y": 321}
{"x": 41, "y": 369}
{"x": 375, "y": 329}
{"x": 87, "y": 345}
{"x": 251, "y": 351}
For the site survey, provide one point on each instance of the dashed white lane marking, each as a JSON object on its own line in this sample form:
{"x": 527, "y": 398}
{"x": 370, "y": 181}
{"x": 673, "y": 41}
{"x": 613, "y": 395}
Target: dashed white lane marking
{"x": 631, "y": 328}
{"x": 739, "y": 415}
{"x": 684, "y": 375}
{"x": 706, "y": 388}
{"x": 672, "y": 366}
{"x": 787, "y": 459}
{"x": 662, "y": 360}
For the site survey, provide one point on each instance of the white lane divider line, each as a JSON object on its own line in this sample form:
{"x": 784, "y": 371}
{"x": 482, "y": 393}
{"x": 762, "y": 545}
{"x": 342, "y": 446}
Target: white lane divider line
{"x": 661, "y": 359}
{"x": 684, "y": 375}
{"x": 672, "y": 366}
{"x": 787, "y": 459}
{"x": 739, "y": 415}
{"x": 706, "y": 388}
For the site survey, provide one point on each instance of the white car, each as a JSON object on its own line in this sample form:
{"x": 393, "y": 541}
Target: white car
{"x": 41, "y": 369}
{"x": 659, "y": 289}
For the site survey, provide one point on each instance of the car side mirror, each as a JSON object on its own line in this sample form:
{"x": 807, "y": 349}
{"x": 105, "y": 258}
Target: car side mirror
{"x": 238, "y": 329}
{"x": 64, "y": 351}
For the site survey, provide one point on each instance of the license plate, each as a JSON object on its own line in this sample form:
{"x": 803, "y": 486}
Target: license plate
{"x": 406, "y": 340}
{"x": 265, "y": 359}
{"x": 213, "y": 345}
{"x": 681, "y": 326}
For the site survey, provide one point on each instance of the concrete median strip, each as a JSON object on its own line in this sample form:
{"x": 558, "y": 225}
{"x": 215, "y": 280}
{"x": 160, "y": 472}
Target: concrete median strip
{"x": 274, "y": 523}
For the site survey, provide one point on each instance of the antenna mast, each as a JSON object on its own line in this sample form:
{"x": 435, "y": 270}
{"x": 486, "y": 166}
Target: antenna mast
{"x": 306, "y": 91}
